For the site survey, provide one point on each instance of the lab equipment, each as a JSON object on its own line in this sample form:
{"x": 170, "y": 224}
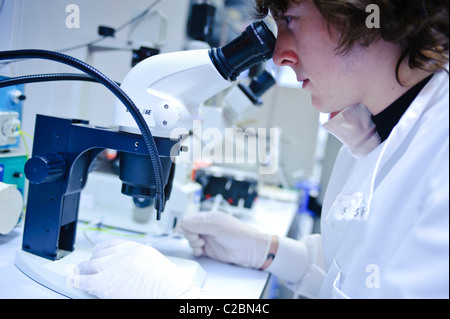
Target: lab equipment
{"x": 64, "y": 149}
{"x": 11, "y": 102}
{"x": 165, "y": 91}
{"x": 201, "y": 22}
{"x": 12, "y": 178}
{"x": 238, "y": 189}
{"x": 169, "y": 88}
{"x": 306, "y": 217}
{"x": 11, "y": 205}
{"x": 239, "y": 104}
{"x": 12, "y": 181}
{"x": 242, "y": 100}
{"x": 12, "y": 169}
{"x": 101, "y": 199}
{"x": 117, "y": 91}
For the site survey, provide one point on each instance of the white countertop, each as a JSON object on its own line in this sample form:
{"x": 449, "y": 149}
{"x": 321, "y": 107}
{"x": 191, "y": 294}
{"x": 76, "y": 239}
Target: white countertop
{"x": 223, "y": 280}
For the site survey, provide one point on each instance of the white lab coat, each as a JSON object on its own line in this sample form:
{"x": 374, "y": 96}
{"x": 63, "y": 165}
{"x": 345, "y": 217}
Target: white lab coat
{"x": 385, "y": 217}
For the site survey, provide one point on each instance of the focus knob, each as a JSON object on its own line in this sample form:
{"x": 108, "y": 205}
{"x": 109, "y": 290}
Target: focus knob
{"x": 47, "y": 168}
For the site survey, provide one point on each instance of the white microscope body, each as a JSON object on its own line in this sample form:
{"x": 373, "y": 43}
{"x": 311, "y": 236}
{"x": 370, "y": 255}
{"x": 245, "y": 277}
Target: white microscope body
{"x": 168, "y": 89}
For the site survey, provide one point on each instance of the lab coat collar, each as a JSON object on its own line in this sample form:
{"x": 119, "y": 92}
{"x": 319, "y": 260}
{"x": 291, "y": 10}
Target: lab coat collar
{"x": 397, "y": 142}
{"x": 354, "y": 127}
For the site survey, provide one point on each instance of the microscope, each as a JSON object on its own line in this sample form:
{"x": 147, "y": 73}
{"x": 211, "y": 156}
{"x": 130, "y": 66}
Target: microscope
{"x": 167, "y": 90}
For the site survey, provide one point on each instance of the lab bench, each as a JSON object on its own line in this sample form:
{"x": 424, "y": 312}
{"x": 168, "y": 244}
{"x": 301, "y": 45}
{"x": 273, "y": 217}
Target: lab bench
{"x": 223, "y": 281}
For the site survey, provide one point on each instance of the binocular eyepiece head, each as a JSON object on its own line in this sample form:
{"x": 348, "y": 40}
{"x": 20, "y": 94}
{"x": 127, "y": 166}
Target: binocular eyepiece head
{"x": 255, "y": 45}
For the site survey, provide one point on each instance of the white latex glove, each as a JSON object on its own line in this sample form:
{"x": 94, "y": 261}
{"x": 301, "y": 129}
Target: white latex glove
{"x": 225, "y": 238}
{"x": 126, "y": 269}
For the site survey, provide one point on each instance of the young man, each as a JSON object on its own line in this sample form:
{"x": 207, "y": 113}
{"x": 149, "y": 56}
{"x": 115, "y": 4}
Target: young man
{"x": 385, "y": 218}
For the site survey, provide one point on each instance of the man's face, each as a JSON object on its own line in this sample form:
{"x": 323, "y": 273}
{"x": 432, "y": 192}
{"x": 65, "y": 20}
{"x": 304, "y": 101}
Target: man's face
{"x": 307, "y": 44}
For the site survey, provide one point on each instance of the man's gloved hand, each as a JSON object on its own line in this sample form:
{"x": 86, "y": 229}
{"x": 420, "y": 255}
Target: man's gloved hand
{"x": 126, "y": 269}
{"x": 225, "y": 238}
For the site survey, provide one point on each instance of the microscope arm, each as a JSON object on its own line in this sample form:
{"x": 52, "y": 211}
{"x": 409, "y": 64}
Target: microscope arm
{"x": 168, "y": 90}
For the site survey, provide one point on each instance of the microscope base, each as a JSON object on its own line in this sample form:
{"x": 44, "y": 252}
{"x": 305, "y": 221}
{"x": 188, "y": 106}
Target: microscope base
{"x": 52, "y": 274}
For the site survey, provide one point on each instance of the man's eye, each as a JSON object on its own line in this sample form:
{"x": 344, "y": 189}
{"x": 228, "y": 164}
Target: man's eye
{"x": 287, "y": 19}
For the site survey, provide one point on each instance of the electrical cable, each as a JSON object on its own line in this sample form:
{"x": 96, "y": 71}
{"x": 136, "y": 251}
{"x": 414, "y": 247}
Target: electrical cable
{"x": 36, "y": 78}
{"x": 139, "y": 16}
{"x": 118, "y": 92}
{"x": 22, "y": 136}
{"x": 79, "y": 46}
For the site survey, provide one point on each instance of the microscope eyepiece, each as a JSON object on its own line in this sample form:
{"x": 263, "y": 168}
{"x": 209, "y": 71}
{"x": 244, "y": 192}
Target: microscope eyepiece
{"x": 255, "y": 45}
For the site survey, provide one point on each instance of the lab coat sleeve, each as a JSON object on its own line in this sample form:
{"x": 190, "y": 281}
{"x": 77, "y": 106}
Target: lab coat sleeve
{"x": 300, "y": 263}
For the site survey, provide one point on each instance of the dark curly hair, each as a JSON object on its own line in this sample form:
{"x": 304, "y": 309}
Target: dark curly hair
{"x": 420, "y": 26}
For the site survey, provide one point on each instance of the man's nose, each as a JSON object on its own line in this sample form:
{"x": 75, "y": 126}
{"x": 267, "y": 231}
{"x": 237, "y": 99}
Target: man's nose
{"x": 284, "y": 54}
